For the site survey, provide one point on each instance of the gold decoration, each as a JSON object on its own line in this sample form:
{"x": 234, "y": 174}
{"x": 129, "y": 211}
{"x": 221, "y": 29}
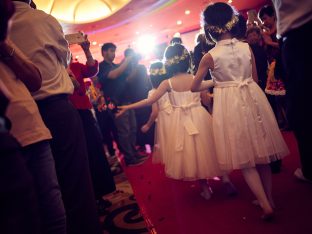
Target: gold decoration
{"x": 176, "y": 59}
{"x": 229, "y": 25}
{"x": 158, "y": 71}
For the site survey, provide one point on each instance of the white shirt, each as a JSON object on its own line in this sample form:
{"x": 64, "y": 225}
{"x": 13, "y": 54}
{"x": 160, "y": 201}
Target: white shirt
{"x": 292, "y": 14}
{"x": 27, "y": 124}
{"x": 40, "y": 37}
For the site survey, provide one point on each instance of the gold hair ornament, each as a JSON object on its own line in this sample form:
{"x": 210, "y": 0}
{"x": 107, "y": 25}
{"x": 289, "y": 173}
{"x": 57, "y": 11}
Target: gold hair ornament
{"x": 228, "y": 26}
{"x": 176, "y": 59}
{"x": 158, "y": 71}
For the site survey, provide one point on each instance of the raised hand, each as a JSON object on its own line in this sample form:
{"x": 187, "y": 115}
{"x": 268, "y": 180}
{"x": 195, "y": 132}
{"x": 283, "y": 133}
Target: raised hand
{"x": 86, "y": 44}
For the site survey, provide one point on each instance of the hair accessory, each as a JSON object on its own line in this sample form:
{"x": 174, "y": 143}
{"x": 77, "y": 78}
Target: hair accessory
{"x": 158, "y": 71}
{"x": 227, "y": 27}
{"x": 176, "y": 59}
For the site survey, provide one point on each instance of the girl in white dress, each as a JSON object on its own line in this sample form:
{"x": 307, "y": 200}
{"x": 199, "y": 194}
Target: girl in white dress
{"x": 190, "y": 149}
{"x": 246, "y": 132}
{"x": 161, "y": 111}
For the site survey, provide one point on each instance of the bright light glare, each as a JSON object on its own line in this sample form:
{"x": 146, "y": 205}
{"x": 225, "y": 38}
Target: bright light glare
{"x": 146, "y": 44}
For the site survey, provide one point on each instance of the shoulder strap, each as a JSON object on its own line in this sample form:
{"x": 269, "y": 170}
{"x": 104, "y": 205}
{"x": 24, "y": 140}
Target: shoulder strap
{"x": 169, "y": 80}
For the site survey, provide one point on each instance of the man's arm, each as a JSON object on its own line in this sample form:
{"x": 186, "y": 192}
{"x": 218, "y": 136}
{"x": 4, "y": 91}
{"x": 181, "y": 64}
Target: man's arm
{"x": 22, "y": 67}
{"x": 113, "y": 74}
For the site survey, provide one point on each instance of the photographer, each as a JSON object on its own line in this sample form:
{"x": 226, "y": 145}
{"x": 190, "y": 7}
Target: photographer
{"x": 114, "y": 84}
{"x": 139, "y": 85}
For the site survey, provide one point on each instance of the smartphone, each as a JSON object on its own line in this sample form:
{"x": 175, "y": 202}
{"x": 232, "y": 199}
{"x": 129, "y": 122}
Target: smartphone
{"x": 75, "y": 38}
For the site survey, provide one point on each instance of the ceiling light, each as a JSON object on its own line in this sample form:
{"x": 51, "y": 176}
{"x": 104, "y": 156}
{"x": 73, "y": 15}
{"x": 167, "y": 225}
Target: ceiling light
{"x": 78, "y": 12}
{"x": 179, "y": 22}
{"x": 230, "y": 1}
{"x": 94, "y": 43}
{"x": 187, "y": 12}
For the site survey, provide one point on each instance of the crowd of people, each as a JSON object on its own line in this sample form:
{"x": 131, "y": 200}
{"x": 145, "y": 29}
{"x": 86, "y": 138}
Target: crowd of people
{"x": 217, "y": 109}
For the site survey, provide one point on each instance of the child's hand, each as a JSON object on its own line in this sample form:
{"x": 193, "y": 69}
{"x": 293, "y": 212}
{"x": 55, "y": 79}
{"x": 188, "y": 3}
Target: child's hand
{"x": 120, "y": 111}
{"x": 145, "y": 128}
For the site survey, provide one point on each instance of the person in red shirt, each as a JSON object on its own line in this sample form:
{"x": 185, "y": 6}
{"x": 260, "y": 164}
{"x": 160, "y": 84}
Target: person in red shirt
{"x": 102, "y": 178}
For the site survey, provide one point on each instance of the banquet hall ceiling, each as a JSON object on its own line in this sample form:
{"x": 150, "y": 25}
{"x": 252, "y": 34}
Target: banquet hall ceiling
{"x": 81, "y": 11}
{"x": 160, "y": 18}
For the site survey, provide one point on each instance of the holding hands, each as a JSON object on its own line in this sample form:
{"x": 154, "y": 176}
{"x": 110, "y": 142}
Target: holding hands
{"x": 121, "y": 110}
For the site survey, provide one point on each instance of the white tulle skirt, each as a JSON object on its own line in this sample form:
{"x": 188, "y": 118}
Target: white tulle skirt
{"x": 189, "y": 145}
{"x": 245, "y": 129}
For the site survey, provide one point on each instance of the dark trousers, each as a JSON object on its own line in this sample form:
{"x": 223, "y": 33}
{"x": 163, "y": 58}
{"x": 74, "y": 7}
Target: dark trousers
{"x": 108, "y": 129}
{"x": 126, "y": 129}
{"x": 142, "y": 116}
{"x": 296, "y": 52}
{"x": 71, "y": 162}
{"x": 41, "y": 165}
{"x": 19, "y": 212}
{"x": 102, "y": 177}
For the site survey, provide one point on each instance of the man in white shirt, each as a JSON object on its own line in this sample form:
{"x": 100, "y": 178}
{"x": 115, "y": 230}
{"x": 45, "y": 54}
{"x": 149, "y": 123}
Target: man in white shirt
{"x": 41, "y": 38}
{"x": 294, "y": 25}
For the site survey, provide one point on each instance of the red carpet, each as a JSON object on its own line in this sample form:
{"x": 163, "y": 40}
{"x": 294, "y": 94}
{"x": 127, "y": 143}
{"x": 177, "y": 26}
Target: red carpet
{"x": 175, "y": 207}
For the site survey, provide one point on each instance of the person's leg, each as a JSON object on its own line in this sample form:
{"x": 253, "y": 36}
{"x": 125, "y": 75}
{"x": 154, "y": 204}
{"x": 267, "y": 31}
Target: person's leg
{"x": 266, "y": 179}
{"x": 123, "y": 129}
{"x": 102, "y": 178}
{"x": 206, "y": 189}
{"x": 229, "y": 187}
{"x": 133, "y": 129}
{"x": 41, "y": 165}
{"x": 254, "y": 182}
{"x": 296, "y": 51}
{"x": 107, "y": 129}
{"x": 72, "y": 167}
{"x": 19, "y": 209}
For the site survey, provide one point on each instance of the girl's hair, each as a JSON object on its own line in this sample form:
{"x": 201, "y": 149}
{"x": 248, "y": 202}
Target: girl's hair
{"x": 157, "y": 73}
{"x": 177, "y": 59}
{"x": 219, "y": 18}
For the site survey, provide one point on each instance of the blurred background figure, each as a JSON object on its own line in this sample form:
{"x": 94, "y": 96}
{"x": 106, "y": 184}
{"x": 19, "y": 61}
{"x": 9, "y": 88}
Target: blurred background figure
{"x": 294, "y": 23}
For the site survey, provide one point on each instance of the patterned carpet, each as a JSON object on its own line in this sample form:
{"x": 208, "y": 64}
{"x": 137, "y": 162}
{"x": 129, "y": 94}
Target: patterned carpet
{"x": 124, "y": 216}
